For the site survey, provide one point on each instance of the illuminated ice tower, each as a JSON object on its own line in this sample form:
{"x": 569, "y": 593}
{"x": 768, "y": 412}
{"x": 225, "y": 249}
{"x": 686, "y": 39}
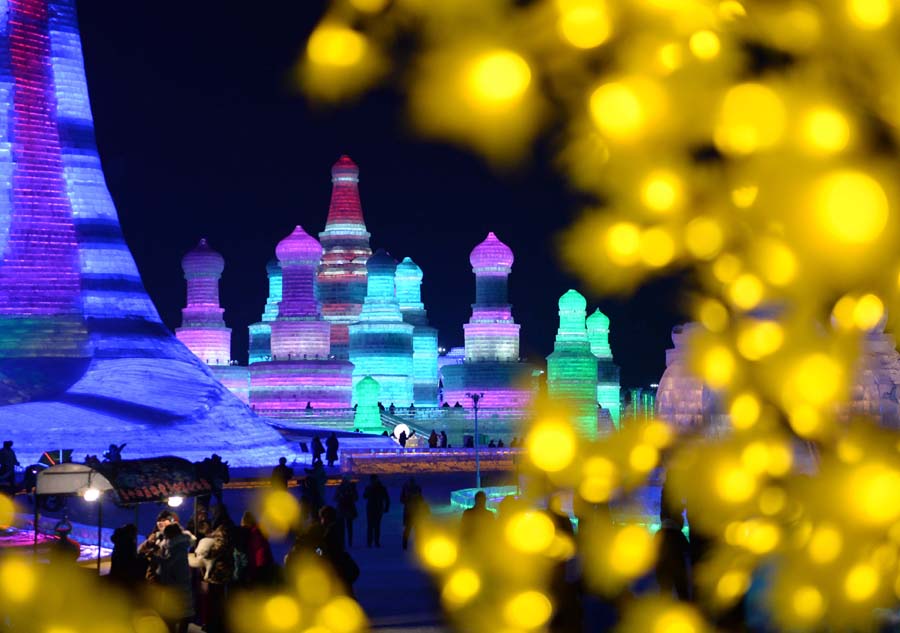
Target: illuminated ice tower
{"x": 342, "y": 273}
{"x": 572, "y": 367}
{"x": 492, "y": 338}
{"x": 300, "y": 374}
{"x": 425, "y": 341}
{"x": 84, "y": 358}
{"x": 608, "y": 389}
{"x": 261, "y": 332}
{"x": 381, "y": 342}
{"x": 203, "y": 328}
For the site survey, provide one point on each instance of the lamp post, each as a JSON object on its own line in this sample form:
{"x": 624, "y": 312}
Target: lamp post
{"x": 475, "y": 398}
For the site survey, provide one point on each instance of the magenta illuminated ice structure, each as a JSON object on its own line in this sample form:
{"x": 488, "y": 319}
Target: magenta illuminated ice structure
{"x": 342, "y": 274}
{"x": 261, "y": 332}
{"x": 84, "y": 357}
{"x": 572, "y": 367}
{"x": 381, "y": 342}
{"x": 491, "y": 364}
{"x": 408, "y": 279}
{"x": 301, "y": 373}
{"x": 608, "y": 389}
{"x": 203, "y": 328}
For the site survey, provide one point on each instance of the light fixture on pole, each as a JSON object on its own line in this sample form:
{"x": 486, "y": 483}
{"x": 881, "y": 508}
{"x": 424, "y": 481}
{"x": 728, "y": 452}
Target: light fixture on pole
{"x": 475, "y": 398}
{"x": 175, "y": 501}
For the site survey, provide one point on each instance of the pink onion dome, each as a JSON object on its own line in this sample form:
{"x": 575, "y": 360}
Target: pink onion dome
{"x": 203, "y": 261}
{"x": 381, "y": 263}
{"x": 299, "y": 247}
{"x": 491, "y": 254}
{"x": 408, "y": 269}
{"x": 344, "y": 169}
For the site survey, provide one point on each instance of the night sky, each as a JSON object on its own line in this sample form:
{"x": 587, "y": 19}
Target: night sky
{"x": 202, "y": 133}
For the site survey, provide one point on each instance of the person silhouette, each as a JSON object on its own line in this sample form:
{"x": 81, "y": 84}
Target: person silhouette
{"x": 282, "y": 474}
{"x": 378, "y": 503}
{"x": 317, "y": 449}
{"x": 332, "y": 444}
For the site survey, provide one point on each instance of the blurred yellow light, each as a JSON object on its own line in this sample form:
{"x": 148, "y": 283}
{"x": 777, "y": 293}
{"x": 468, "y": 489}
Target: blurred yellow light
{"x": 530, "y": 531}
{"x": 528, "y": 610}
{"x": 598, "y": 481}
{"x": 849, "y": 452}
{"x": 760, "y": 339}
{"x": 825, "y": 544}
{"x": 868, "y": 312}
{"x": 17, "y": 580}
{"x": 584, "y": 23}
{"x": 631, "y": 551}
{"x": 623, "y": 110}
{"x": 342, "y": 615}
{"x": 336, "y": 45}
{"x": 735, "y": 484}
{"x": 805, "y": 420}
{"x": 807, "y": 603}
{"x": 825, "y": 130}
{"x": 744, "y": 197}
{"x": 851, "y": 207}
{"x": 875, "y": 493}
{"x": 662, "y": 191}
{"x": 439, "y": 552}
{"x": 313, "y": 584}
{"x": 732, "y": 9}
{"x": 670, "y": 56}
{"x": 713, "y": 315}
{"x": 149, "y": 623}
{"x": 761, "y": 536}
{"x": 657, "y": 433}
{"x": 772, "y": 501}
{"x": 777, "y": 263}
{"x": 718, "y": 366}
{"x": 816, "y": 379}
{"x": 727, "y": 268}
{"x": 657, "y": 247}
{"x": 869, "y": 14}
{"x": 498, "y": 79}
{"x": 732, "y": 585}
{"x": 755, "y": 456}
{"x": 705, "y": 44}
{"x": 861, "y": 582}
{"x": 781, "y": 459}
{"x": 623, "y": 243}
{"x": 551, "y": 445}
{"x": 703, "y": 237}
{"x": 752, "y": 117}
{"x": 746, "y": 292}
{"x": 462, "y": 585}
{"x": 281, "y": 612}
{"x": 7, "y": 511}
{"x": 744, "y": 411}
{"x": 280, "y": 512}
{"x": 643, "y": 458}
{"x": 677, "y": 619}
{"x": 369, "y": 6}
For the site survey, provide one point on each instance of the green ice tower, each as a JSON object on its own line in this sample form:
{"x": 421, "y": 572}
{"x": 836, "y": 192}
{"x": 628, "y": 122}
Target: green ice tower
{"x": 608, "y": 372}
{"x": 572, "y": 367}
{"x": 366, "y": 394}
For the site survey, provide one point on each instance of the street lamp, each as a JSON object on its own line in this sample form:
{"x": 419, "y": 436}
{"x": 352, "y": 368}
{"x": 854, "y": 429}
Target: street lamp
{"x": 475, "y": 398}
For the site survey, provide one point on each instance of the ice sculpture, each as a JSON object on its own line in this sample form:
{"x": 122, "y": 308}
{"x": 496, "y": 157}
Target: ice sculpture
{"x": 203, "y": 328}
{"x": 84, "y": 358}
{"x": 366, "y": 394}
{"x": 425, "y": 339}
{"x": 261, "y": 331}
{"x": 608, "y": 391}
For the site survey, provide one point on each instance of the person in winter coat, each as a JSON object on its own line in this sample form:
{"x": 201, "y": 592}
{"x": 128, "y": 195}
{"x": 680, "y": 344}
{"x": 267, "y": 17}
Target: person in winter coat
{"x": 174, "y": 572}
{"x": 331, "y": 444}
{"x": 345, "y": 504}
{"x": 377, "y": 504}
{"x": 214, "y": 556}
{"x": 414, "y": 506}
{"x": 260, "y": 563}
{"x": 317, "y": 450}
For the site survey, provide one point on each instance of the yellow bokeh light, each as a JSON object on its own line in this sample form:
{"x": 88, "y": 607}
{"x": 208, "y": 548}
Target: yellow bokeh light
{"x": 662, "y": 191}
{"x": 825, "y": 130}
{"x": 734, "y": 483}
{"x": 732, "y": 585}
{"x": 336, "y": 45}
{"x": 772, "y": 500}
{"x": 760, "y": 339}
{"x": 861, "y": 582}
{"x": 755, "y": 456}
{"x": 677, "y": 620}
{"x": 599, "y": 479}
{"x": 369, "y": 6}
{"x": 727, "y": 268}
{"x": 746, "y": 291}
{"x": 281, "y": 612}
{"x": 7, "y": 511}
{"x": 807, "y": 603}
{"x": 643, "y": 458}
{"x": 777, "y": 262}
{"x": 713, "y": 315}
{"x": 850, "y": 207}
{"x": 280, "y": 512}
{"x": 657, "y": 247}
{"x": 670, "y": 57}
{"x": 718, "y": 366}
{"x": 731, "y": 9}
{"x": 816, "y": 379}
{"x": 631, "y": 551}
{"x": 462, "y": 585}
{"x": 875, "y": 494}
{"x": 868, "y": 312}
{"x": 869, "y": 14}
{"x": 744, "y": 197}
{"x": 703, "y": 237}
{"x": 497, "y": 79}
{"x": 530, "y": 531}
{"x": 745, "y": 410}
{"x": 342, "y": 615}
{"x": 752, "y": 117}
{"x": 805, "y": 420}
{"x": 313, "y": 584}
{"x": 551, "y": 445}
{"x": 584, "y": 23}
{"x": 825, "y": 544}
{"x": 17, "y": 580}
{"x": 439, "y": 552}
{"x": 761, "y": 536}
{"x": 528, "y": 610}
{"x": 623, "y": 243}
{"x": 624, "y": 110}
{"x": 705, "y": 44}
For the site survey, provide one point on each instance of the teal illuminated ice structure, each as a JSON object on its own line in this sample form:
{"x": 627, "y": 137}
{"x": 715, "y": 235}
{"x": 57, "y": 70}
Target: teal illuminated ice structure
{"x": 261, "y": 332}
{"x": 608, "y": 388}
{"x": 572, "y": 367}
{"x": 367, "y": 418}
{"x": 381, "y": 342}
{"x": 203, "y": 328}
{"x": 301, "y": 374}
{"x": 85, "y": 360}
{"x": 408, "y": 280}
{"x": 491, "y": 366}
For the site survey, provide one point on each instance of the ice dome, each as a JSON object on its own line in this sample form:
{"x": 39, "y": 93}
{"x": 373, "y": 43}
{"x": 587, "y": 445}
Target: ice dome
{"x": 299, "y": 246}
{"x": 202, "y": 260}
{"x": 491, "y": 253}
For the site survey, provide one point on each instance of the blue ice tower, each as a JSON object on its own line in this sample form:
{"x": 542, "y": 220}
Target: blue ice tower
{"x": 425, "y": 338}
